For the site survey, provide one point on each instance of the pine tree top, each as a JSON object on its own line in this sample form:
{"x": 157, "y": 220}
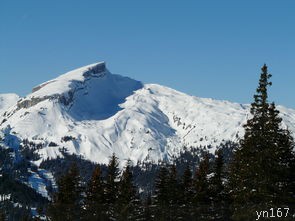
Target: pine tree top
{"x": 261, "y": 96}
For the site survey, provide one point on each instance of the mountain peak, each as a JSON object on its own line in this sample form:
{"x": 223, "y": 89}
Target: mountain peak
{"x": 63, "y": 87}
{"x": 63, "y": 82}
{"x": 94, "y": 113}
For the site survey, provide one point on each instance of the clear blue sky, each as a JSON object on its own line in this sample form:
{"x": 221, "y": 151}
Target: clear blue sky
{"x": 204, "y": 48}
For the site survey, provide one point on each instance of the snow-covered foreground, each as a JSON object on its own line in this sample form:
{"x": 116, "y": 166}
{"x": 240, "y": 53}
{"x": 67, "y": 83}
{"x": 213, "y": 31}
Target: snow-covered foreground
{"x": 94, "y": 113}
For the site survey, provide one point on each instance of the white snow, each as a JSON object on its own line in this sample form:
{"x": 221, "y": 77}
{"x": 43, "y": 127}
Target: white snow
{"x": 6, "y": 101}
{"x": 62, "y": 83}
{"x": 107, "y": 113}
{"x": 37, "y": 183}
{"x": 40, "y": 180}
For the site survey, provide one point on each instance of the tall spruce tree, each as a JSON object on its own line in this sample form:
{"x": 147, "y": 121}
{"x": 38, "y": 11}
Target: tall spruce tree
{"x": 201, "y": 187}
{"x": 261, "y": 171}
{"x": 187, "y": 194}
{"x": 173, "y": 193}
{"x": 147, "y": 211}
{"x": 160, "y": 204}
{"x": 67, "y": 202}
{"x": 111, "y": 190}
{"x": 218, "y": 193}
{"x": 217, "y": 186}
{"x": 128, "y": 205}
{"x": 95, "y": 198}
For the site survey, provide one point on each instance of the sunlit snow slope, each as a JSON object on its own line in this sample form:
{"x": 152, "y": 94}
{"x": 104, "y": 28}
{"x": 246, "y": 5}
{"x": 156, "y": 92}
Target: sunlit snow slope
{"x": 94, "y": 113}
{"x": 7, "y": 100}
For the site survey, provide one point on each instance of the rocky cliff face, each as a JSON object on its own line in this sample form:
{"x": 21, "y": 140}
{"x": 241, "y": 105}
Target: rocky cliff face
{"x": 94, "y": 71}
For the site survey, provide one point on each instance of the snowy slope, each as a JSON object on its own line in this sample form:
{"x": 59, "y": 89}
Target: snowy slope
{"x": 7, "y": 100}
{"x": 92, "y": 112}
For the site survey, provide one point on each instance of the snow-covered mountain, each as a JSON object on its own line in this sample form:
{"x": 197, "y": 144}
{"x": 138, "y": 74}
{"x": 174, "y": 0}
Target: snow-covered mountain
{"x": 94, "y": 113}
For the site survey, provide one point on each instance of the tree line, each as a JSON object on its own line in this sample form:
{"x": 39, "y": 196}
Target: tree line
{"x": 259, "y": 177}
{"x": 114, "y": 196}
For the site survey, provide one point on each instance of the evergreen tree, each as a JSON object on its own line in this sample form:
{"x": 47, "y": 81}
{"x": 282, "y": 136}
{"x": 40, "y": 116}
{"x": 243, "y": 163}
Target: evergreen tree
{"x": 128, "y": 205}
{"x": 187, "y": 194}
{"x": 283, "y": 161}
{"x": 161, "y": 195}
{"x": 95, "y": 198}
{"x": 147, "y": 213}
{"x": 217, "y": 183}
{"x": 261, "y": 171}
{"x": 111, "y": 190}
{"x": 201, "y": 184}
{"x": 218, "y": 194}
{"x": 173, "y": 194}
{"x": 68, "y": 198}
